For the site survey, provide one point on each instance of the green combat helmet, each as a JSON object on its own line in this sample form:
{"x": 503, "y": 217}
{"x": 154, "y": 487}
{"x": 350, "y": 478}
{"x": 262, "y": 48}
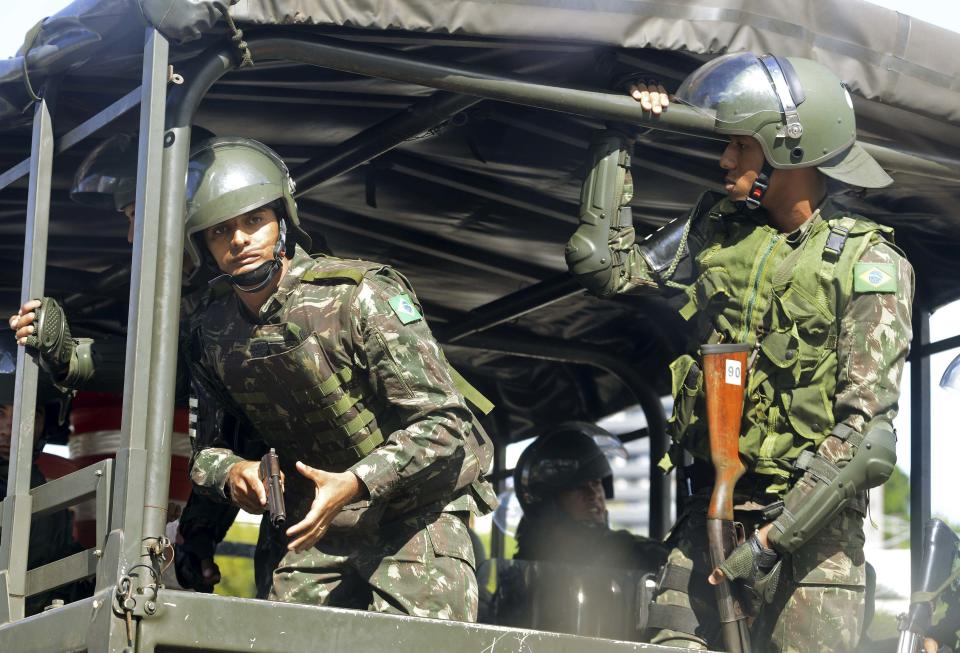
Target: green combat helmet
{"x": 229, "y": 176}
{"x": 797, "y": 109}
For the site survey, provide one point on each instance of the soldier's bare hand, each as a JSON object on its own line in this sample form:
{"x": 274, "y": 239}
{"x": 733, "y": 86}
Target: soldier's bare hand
{"x": 21, "y": 322}
{"x": 651, "y": 96}
{"x": 930, "y": 645}
{"x": 333, "y": 492}
{"x": 246, "y": 488}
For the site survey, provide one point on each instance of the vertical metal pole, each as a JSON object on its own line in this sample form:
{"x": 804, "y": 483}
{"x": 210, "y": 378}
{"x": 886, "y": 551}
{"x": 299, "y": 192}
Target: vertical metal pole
{"x": 15, "y": 534}
{"x": 919, "y": 439}
{"x": 132, "y": 479}
{"x": 660, "y": 483}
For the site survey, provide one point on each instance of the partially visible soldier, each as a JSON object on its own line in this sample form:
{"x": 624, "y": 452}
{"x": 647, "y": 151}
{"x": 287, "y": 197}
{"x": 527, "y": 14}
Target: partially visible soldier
{"x": 562, "y": 480}
{"x": 106, "y": 179}
{"x": 51, "y": 535}
{"x": 332, "y": 362}
{"x": 823, "y": 297}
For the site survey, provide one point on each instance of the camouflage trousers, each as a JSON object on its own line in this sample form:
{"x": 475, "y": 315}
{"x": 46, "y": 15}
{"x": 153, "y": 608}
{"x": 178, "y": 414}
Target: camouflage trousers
{"x": 421, "y": 566}
{"x": 819, "y": 603}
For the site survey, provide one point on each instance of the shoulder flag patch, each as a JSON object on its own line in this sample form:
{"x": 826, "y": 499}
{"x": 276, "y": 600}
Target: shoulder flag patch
{"x": 875, "y": 277}
{"x": 405, "y": 309}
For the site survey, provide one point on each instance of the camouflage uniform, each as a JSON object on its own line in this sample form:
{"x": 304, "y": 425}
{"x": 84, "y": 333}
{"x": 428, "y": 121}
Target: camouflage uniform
{"x": 819, "y": 604}
{"x": 339, "y": 370}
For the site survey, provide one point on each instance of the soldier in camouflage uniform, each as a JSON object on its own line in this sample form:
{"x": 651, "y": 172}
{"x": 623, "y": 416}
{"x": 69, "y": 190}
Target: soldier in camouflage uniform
{"x": 823, "y": 297}
{"x": 106, "y": 179}
{"x": 331, "y": 361}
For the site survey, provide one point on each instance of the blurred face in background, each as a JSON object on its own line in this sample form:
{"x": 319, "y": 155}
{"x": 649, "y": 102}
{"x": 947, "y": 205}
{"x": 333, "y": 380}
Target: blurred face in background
{"x": 6, "y": 428}
{"x": 585, "y": 503}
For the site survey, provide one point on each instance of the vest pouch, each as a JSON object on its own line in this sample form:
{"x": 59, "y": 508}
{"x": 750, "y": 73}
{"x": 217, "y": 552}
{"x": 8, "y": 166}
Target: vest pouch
{"x": 809, "y": 411}
{"x": 797, "y": 309}
{"x": 686, "y": 385}
{"x": 781, "y": 349}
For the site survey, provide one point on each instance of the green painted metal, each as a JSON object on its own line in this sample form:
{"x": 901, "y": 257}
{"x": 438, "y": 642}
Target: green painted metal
{"x": 76, "y": 486}
{"x": 15, "y": 534}
{"x": 191, "y": 621}
{"x": 141, "y": 489}
{"x": 77, "y": 134}
{"x": 388, "y": 64}
{"x": 61, "y": 572}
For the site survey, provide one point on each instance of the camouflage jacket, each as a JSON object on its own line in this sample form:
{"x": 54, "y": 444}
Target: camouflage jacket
{"x": 869, "y": 340}
{"x": 340, "y": 370}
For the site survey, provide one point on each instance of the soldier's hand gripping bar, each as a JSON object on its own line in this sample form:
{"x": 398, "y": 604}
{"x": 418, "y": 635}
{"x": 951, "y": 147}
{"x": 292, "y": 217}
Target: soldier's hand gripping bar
{"x": 273, "y": 484}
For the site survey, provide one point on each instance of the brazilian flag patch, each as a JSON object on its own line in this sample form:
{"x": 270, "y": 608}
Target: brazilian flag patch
{"x": 405, "y": 309}
{"x": 875, "y": 277}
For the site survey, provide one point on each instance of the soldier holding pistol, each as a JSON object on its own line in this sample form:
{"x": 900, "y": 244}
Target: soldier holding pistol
{"x": 332, "y": 362}
{"x": 822, "y": 298}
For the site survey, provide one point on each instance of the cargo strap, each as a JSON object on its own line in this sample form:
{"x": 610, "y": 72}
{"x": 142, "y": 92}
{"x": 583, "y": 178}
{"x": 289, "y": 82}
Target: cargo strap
{"x": 674, "y": 577}
{"x": 678, "y": 618}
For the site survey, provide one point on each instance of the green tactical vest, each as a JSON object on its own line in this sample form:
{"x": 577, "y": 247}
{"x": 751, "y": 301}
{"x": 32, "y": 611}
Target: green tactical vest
{"x": 783, "y": 294}
{"x": 299, "y": 388}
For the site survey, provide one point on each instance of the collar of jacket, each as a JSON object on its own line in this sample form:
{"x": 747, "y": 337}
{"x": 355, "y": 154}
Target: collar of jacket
{"x": 299, "y": 264}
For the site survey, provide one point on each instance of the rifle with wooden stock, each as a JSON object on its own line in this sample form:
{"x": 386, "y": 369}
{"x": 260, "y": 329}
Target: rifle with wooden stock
{"x": 724, "y": 369}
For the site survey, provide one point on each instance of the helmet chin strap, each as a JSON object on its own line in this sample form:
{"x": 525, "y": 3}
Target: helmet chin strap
{"x": 259, "y": 278}
{"x": 759, "y": 187}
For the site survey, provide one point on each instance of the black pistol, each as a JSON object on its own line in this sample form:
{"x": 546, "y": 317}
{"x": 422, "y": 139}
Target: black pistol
{"x": 270, "y": 476}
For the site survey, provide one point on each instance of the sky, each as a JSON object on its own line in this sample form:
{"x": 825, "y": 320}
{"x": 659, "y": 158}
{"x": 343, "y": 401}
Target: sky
{"x": 22, "y": 15}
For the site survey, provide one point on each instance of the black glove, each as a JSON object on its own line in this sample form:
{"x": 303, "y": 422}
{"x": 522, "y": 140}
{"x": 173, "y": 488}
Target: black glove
{"x": 194, "y": 564}
{"x": 50, "y": 340}
{"x": 756, "y": 567}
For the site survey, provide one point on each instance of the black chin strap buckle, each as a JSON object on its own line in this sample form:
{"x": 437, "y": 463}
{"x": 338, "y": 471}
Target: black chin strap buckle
{"x": 757, "y": 191}
{"x": 759, "y": 187}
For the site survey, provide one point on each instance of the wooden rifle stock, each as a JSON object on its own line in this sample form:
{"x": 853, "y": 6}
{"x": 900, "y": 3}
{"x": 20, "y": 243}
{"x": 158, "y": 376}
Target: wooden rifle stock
{"x": 724, "y": 372}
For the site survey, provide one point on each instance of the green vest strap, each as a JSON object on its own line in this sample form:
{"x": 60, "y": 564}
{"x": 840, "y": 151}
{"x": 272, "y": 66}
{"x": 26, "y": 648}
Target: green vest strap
{"x": 356, "y": 276}
{"x": 334, "y": 381}
{"x": 357, "y": 423}
{"x": 470, "y": 393}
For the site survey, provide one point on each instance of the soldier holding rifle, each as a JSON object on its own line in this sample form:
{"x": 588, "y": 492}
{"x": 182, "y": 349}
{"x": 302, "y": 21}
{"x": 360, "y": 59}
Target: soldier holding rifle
{"x": 819, "y": 298}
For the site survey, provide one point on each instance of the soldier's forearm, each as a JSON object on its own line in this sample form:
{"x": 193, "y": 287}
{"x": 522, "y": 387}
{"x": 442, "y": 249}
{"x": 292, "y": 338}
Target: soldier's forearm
{"x": 209, "y": 470}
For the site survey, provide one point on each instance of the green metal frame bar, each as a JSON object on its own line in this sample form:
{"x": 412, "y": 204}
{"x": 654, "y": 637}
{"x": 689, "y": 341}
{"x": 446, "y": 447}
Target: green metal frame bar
{"x": 144, "y": 461}
{"x": 207, "y": 622}
{"x": 17, "y": 511}
{"x": 77, "y": 134}
{"x": 920, "y": 434}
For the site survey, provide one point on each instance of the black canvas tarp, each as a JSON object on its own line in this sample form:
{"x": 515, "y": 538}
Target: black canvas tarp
{"x": 884, "y": 55}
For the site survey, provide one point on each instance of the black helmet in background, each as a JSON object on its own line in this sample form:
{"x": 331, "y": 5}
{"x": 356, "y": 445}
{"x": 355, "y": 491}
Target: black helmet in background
{"x": 562, "y": 458}
{"x": 107, "y": 177}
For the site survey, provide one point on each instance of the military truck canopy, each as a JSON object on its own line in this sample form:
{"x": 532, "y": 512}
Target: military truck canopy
{"x": 476, "y": 207}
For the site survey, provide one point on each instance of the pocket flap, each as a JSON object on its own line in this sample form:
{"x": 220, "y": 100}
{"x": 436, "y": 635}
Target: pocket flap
{"x": 781, "y": 348}
{"x": 451, "y": 539}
